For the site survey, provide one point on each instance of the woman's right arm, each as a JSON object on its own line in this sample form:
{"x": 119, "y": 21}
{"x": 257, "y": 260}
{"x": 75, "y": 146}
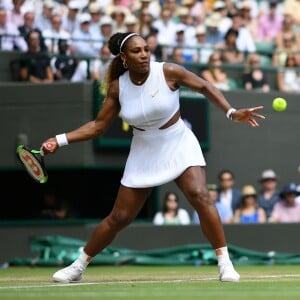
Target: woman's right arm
{"x": 108, "y": 112}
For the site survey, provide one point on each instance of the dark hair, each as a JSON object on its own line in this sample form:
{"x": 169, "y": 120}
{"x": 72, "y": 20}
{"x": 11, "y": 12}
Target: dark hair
{"x": 166, "y": 197}
{"x": 229, "y": 32}
{"x": 116, "y": 68}
{"x": 225, "y": 171}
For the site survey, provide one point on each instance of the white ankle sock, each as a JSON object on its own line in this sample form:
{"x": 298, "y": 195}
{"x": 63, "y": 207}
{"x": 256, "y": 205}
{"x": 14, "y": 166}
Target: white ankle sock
{"x": 83, "y": 260}
{"x": 223, "y": 255}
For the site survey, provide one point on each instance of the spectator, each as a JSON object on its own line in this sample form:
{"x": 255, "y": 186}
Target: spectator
{"x": 52, "y": 207}
{"x": 269, "y": 24}
{"x": 224, "y": 213}
{"x": 288, "y": 28}
{"x": 29, "y": 26}
{"x": 249, "y": 210}
{"x": 189, "y": 29}
{"x": 118, "y": 15}
{"x": 177, "y": 55}
{"x": 55, "y": 33}
{"x": 229, "y": 51}
{"x": 288, "y": 78}
{"x": 268, "y": 195}
{"x": 35, "y": 64}
{"x": 157, "y": 53}
{"x": 12, "y": 41}
{"x": 197, "y": 10}
{"x": 289, "y": 46}
{"x": 228, "y": 195}
{"x": 15, "y": 15}
{"x": 249, "y": 21}
{"x": 245, "y": 41}
{"x": 145, "y": 24}
{"x": 166, "y": 28}
{"x": 188, "y": 51}
{"x": 70, "y": 21}
{"x": 225, "y": 23}
{"x": 213, "y": 34}
{"x": 106, "y": 28}
{"x": 253, "y": 77}
{"x": 63, "y": 65}
{"x": 205, "y": 49}
{"x": 43, "y": 19}
{"x": 100, "y": 65}
{"x": 171, "y": 213}
{"x": 84, "y": 42}
{"x": 287, "y": 210}
{"x": 131, "y": 23}
{"x": 215, "y": 74}
{"x": 95, "y": 11}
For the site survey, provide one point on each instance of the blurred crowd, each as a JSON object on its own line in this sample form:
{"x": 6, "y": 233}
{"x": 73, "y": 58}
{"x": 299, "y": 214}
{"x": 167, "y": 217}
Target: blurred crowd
{"x": 262, "y": 203}
{"x": 246, "y": 34}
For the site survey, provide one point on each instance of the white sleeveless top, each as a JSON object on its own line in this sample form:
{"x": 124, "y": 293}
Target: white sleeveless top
{"x": 150, "y": 105}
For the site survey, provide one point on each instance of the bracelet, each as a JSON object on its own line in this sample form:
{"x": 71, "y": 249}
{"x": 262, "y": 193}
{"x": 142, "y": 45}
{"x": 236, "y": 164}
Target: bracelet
{"x": 62, "y": 140}
{"x": 229, "y": 113}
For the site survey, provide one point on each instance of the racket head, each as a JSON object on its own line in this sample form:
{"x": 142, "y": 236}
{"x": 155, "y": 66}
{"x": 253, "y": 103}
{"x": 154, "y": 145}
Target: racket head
{"x": 33, "y": 162}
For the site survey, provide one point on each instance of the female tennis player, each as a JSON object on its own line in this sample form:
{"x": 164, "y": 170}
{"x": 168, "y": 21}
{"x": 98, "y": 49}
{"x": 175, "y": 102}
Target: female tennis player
{"x": 163, "y": 148}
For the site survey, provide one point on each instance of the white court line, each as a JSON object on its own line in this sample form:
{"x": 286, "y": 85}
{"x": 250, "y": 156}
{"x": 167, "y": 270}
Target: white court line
{"x": 145, "y": 281}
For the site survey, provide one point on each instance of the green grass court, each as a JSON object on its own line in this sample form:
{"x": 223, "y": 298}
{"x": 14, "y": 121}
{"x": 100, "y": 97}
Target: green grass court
{"x": 153, "y": 282}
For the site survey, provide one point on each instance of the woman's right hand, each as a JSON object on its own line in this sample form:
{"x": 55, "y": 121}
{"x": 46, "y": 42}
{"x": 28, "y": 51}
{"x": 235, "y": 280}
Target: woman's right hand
{"x": 49, "y": 146}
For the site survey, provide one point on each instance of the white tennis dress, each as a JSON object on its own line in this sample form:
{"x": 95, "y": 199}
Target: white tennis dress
{"x": 156, "y": 156}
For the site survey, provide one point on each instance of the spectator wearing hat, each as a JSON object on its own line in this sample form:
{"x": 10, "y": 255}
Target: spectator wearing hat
{"x": 249, "y": 211}
{"x": 70, "y": 21}
{"x": 106, "y": 26}
{"x": 95, "y": 11}
{"x": 268, "y": 195}
{"x": 85, "y": 43}
{"x": 249, "y": 21}
{"x": 224, "y": 213}
{"x": 225, "y": 23}
{"x": 131, "y": 23}
{"x": 287, "y": 210}
{"x": 118, "y": 15}
{"x": 189, "y": 51}
{"x": 204, "y": 48}
{"x": 43, "y": 19}
{"x": 187, "y": 21}
{"x": 213, "y": 35}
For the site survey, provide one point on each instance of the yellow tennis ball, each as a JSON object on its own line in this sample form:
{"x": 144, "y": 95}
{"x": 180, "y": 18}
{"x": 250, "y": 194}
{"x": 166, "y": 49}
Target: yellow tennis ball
{"x": 279, "y": 104}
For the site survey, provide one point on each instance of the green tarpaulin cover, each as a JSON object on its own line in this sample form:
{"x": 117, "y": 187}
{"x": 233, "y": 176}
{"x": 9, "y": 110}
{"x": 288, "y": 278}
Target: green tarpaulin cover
{"x": 62, "y": 250}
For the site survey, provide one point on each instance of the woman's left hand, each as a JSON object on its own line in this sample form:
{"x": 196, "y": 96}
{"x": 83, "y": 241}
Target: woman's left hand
{"x": 248, "y": 115}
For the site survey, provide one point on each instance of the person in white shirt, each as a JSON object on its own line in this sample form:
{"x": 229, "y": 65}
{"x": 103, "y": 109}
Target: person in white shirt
{"x": 171, "y": 213}
{"x": 55, "y": 33}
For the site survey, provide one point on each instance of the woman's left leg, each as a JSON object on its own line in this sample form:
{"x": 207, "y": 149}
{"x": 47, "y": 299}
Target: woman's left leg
{"x": 193, "y": 185}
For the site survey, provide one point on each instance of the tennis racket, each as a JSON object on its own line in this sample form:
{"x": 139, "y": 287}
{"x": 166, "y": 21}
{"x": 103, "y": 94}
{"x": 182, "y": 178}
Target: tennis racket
{"x": 33, "y": 162}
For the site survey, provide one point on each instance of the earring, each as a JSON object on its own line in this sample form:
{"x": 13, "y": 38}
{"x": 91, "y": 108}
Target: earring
{"x": 125, "y": 65}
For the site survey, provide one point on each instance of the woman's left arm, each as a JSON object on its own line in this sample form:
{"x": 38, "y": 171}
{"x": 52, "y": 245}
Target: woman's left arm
{"x": 177, "y": 76}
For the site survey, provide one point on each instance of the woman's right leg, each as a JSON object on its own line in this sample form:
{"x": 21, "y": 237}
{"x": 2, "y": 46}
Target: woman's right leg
{"x": 128, "y": 203}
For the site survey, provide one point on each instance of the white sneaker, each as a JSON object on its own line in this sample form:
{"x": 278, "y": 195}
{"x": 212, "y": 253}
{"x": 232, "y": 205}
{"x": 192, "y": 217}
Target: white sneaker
{"x": 69, "y": 274}
{"x": 228, "y": 273}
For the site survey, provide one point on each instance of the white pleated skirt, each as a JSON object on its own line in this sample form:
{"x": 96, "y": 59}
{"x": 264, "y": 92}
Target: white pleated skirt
{"x": 161, "y": 155}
